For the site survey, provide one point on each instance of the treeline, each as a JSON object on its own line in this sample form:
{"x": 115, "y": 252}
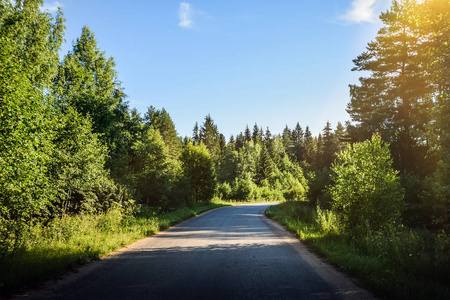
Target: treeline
{"x": 69, "y": 142}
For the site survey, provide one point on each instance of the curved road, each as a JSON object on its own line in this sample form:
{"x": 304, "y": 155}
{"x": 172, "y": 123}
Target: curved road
{"x": 228, "y": 253}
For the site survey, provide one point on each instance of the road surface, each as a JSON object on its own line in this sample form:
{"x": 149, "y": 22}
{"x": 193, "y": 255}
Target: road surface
{"x": 228, "y": 253}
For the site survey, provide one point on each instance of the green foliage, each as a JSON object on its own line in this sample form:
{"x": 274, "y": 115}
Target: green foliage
{"x": 244, "y": 188}
{"x": 27, "y": 58}
{"x": 198, "y": 169}
{"x": 209, "y": 136}
{"x": 160, "y": 119}
{"x": 366, "y": 191}
{"x": 77, "y": 166}
{"x": 224, "y": 191}
{"x": 152, "y": 172}
{"x": 87, "y": 80}
{"x": 408, "y": 264}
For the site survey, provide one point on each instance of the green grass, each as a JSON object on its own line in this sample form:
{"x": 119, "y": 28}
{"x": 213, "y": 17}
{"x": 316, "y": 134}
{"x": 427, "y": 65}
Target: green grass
{"x": 70, "y": 241}
{"x": 409, "y": 264}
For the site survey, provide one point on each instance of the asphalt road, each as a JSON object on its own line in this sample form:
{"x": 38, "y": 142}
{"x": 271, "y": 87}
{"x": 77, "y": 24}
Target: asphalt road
{"x": 228, "y": 253}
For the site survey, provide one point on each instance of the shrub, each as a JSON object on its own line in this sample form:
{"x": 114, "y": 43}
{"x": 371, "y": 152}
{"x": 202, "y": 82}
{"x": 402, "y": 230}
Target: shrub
{"x": 367, "y": 192}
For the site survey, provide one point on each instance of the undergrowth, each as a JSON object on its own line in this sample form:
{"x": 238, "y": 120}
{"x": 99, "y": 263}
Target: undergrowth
{"x": 407, "y": 264}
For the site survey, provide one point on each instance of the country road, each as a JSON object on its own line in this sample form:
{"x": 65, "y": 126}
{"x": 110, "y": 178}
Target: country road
{"x": 228, "y": 253}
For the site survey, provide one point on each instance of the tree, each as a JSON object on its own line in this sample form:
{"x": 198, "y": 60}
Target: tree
{"x": 152, "y": 172}
{"x": 434, "y": 19}
{"x": 210, "y": 137}
{"x": 161, "y": 120}
{"x": 198, "y": 168}
{"x": 77, "y": 168}
{"x": 394, "y": 100}
{"x": 366, "y": 191}
{"x": 256, "y": 138}
{"x": 36, "y": 37}
{"x": 228, "y": 167}
{"x": 298, "y": 140}
{"x": 247, "y": 135}
{"x": 29, "y": 45}
{"x": 327, "y": 149}
{"x": 265, "y": 169}
{"x": 88, "y": 81}
{"x": 195, "y": 134}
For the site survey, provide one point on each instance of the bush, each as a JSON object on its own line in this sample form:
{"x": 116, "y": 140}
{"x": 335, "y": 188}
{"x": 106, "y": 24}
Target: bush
{"x": 198, "y": 169}
{"x": 367, "y": 192}
{"x": 244, "y": 188}
{"x": 224, "y": 191}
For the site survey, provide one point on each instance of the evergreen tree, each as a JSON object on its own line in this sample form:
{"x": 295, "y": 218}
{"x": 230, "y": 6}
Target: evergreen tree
{"x": 310, "y": 149}
{"x": 287, "y": 140}
{"x": 239, "y": 141}
{"x": 255, "y": 134}
{"x": 266, "y": 168}
{"x": 341, "y": 138}
{"x": 298, "y": 140}
{"x": 247, "y": 135}
{"x": 195, "y": 134}
{"x": 393, "y": 99}
{"x": 210, "y": 137}
{"x": 327, "y": 148}
{"x": 161, "y": 121}
{"x": 231, "y": 143}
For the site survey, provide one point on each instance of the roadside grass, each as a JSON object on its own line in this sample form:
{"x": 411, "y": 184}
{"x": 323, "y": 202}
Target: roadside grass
{"x": 410, "y": 264}
{"x": 71, "y": 241}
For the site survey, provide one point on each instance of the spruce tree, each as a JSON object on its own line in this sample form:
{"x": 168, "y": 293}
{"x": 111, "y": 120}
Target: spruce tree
{"x": 162, "y": 121}
{"x": 209, "y": 136}
{"x": 247, "y": 134}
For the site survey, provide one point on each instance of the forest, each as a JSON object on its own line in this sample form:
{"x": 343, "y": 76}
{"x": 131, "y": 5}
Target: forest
{"x": 71, "y": 145}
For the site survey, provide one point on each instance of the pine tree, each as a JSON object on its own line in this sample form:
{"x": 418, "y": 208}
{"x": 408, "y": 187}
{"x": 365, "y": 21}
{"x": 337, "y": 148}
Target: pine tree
{"x": 394, "y": 100}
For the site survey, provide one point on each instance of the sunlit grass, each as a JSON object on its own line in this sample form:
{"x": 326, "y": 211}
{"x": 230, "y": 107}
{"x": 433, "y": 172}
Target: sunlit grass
{"x": 410, "y": 264}
{"x": 70, "y": 241}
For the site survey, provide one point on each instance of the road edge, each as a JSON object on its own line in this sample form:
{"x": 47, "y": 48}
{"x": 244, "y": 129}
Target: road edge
{"x": 347, "y": 286}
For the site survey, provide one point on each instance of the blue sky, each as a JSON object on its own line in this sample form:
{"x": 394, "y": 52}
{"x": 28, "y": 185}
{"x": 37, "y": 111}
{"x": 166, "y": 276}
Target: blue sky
{"x": 241, "y": 61}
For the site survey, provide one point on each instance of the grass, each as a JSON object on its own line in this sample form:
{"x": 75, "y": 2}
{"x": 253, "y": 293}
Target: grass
{"x": 70, "y": 241}
{"x": 409, "y": 264}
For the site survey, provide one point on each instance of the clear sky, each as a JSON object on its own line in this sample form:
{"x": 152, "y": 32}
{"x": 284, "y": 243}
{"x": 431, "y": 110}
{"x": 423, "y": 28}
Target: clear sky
{"x": 241, "y": 61}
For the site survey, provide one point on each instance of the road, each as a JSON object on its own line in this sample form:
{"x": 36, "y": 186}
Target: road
{"x": 228, "y": 253}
